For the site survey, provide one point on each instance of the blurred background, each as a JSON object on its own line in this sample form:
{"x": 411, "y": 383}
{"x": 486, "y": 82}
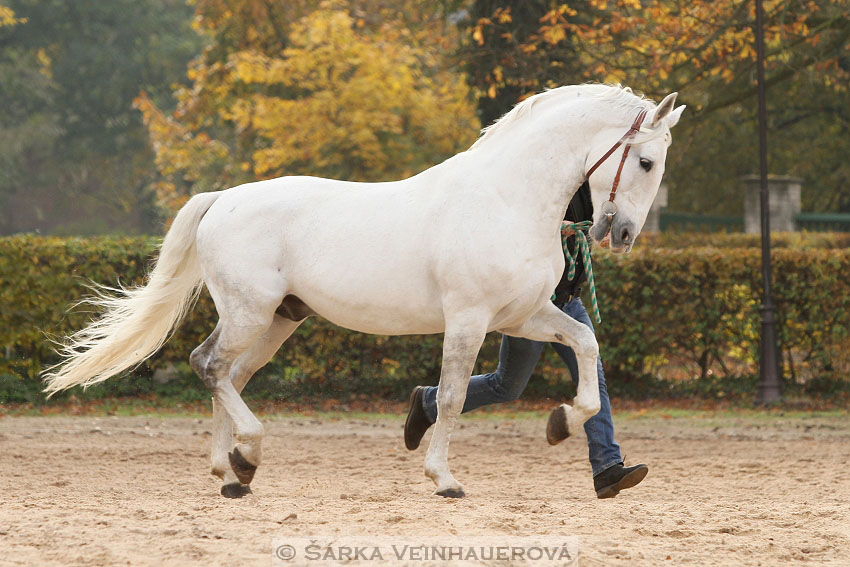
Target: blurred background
{"x": 112, "y": 113}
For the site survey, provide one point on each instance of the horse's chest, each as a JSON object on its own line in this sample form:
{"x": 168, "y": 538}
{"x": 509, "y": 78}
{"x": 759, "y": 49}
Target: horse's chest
{"x": 528, "y": 275}
{"x": 523, "y": 294}
{"x": 525, "y": 284}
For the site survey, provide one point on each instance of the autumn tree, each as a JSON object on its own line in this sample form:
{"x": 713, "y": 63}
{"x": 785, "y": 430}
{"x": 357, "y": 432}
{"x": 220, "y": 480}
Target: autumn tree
{"x": 503, "y": 58}
{"x": 330, "y": 89}
{"x": 706, "y": 51}
{"x": 664, "y": 44}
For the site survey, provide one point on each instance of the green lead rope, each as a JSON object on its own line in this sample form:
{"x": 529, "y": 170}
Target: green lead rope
{"x": 583, "y": 247}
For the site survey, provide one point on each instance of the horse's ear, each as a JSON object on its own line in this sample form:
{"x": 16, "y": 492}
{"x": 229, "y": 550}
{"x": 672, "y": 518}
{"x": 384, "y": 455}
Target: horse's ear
{"x": 673, "y": 117}
{"x": 662, "y": 110}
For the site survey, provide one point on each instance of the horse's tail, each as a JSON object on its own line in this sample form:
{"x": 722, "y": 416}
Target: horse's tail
{"x": 136, "y": 321}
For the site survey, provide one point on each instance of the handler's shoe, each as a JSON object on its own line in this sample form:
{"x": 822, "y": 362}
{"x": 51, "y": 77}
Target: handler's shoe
{"x": 611, "y": 481}
{"x": 417, "y": 422}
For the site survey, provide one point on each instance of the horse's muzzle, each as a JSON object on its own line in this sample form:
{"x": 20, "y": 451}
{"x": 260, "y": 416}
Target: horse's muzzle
{"x": 623, "y": 234}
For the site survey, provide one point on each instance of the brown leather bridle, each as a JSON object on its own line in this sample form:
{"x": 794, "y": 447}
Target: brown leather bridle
{"x": 609, "y": 208}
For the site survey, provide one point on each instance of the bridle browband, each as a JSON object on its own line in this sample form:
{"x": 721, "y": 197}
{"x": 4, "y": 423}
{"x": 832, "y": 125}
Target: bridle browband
{"x": 609, "y": 210}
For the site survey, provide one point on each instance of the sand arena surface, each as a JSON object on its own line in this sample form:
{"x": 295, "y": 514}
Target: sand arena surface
{"x": 85, "y": 491}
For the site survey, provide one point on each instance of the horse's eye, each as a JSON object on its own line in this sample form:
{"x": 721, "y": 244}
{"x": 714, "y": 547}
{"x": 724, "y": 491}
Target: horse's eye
{"x": 646, "y": 164}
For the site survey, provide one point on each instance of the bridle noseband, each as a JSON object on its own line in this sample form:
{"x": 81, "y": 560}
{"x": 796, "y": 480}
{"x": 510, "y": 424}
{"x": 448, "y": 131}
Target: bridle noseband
{"x": 609, "y": 208}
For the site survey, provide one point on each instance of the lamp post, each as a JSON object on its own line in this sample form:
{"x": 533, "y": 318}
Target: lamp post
{"x": 770, "y": 386}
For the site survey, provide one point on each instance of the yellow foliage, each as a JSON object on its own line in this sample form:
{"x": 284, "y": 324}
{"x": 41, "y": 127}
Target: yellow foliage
{"x": 503, "y": 15}
{"x": 183, "y": 155}
{"x": 553, "y": 34}
{"x": 345, "y": 99}
{"x": 45, "y": 63}
{"x": 478, "y": 35}
{"x": 665, "y": 44}
{"x": 7, "y": 17}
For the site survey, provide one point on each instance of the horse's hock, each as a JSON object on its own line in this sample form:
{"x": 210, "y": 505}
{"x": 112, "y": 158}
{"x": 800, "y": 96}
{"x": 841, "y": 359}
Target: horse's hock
{"x": 784, "y": 202}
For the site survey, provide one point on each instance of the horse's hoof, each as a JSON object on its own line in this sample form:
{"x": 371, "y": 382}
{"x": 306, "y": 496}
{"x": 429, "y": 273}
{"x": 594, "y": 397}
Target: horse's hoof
{"x": 557, "y": 429}
{"x": 235, "y": 490}
{"x": 241, "y": 467}
{"x": 451, "y": 493}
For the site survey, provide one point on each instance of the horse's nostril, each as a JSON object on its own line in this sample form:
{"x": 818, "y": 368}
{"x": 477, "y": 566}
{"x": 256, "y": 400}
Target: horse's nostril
{"x": 626, "y": 236}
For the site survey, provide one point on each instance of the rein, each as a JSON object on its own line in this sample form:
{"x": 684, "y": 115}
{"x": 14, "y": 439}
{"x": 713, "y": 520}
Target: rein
{"x": 609, "y": 209}
{"x": 582, "y": 246}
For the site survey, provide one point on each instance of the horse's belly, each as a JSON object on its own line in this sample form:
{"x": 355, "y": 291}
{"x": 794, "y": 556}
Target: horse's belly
{"x": 376, "y": 315}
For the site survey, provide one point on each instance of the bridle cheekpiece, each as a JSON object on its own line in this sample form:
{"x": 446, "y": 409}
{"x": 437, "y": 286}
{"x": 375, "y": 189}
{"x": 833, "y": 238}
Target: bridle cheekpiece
{"x": 609, "y": 208}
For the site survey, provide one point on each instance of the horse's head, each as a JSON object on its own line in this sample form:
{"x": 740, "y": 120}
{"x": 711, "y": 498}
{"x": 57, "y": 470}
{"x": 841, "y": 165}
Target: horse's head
{"x": 624, "y": 184}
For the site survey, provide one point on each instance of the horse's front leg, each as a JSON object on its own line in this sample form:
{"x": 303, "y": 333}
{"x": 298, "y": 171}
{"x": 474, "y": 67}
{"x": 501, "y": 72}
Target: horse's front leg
{"x": 551, "y": 324}
{"x": 463, "y": 338}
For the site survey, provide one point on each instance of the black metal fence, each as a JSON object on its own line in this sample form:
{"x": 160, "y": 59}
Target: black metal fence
{"x": 823, "y": 222}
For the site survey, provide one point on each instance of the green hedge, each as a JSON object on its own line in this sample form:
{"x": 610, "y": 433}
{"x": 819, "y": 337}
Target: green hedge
{"x": 676, "y": 321}
{"x": 695, "y": 312}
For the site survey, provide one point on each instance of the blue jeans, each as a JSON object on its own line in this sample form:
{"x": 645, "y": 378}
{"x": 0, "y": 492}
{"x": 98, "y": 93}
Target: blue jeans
{"x": 517, "y": 359}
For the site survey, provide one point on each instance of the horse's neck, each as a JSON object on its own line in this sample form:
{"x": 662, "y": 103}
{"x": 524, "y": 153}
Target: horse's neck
{"x": 537, "y": 169}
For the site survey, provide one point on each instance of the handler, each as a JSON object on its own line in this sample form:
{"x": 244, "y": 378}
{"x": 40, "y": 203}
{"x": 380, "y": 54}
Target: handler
{"x": 517, "y": 359}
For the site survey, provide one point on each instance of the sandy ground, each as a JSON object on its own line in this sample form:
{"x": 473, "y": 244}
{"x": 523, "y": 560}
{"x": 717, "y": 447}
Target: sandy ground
{"x": 135, "y": 490}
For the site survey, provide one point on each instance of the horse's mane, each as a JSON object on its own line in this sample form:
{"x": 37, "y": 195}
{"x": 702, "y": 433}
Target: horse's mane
{"x": 620, "y": 98}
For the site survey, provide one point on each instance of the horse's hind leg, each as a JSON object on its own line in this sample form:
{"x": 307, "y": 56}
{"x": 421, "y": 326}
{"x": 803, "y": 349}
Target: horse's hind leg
{"x": 213, "y": 361}
{"x": 241, "y": 372}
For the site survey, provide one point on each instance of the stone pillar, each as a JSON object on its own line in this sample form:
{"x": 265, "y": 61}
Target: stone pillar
{"x": 653, "y": 219}
{"x": 784, "y": 193}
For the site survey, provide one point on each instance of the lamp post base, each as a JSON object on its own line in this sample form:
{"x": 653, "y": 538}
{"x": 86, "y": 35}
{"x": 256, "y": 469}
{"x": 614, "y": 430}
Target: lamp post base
{"x": 770, "y": 385}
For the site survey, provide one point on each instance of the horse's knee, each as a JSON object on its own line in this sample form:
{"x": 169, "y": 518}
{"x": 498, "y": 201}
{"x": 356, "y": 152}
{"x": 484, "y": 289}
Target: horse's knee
{"x": 450, "y": 400}
{"x": 587, "y": 346}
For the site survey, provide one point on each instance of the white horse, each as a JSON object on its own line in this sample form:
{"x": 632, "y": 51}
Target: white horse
{"x": 469, "y": 246}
